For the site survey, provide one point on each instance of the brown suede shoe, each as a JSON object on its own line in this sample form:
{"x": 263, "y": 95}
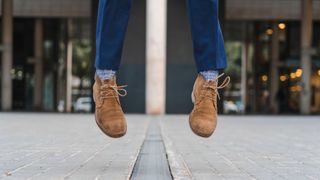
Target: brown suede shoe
{"x": 203, "y": 118}
{"x": 109, "y": 115}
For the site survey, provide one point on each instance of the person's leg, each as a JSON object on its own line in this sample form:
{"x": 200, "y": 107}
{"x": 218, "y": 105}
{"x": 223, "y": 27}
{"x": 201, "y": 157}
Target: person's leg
{"x": 210, "y": 57}
{"x": 113, "y": 17}
{"x": 207, "y": 37}
{"x": 112, "y": 23}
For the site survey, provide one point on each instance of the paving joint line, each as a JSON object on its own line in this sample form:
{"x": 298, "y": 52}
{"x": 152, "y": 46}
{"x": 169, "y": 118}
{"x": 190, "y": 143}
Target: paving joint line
{"x": 152, "y": 161}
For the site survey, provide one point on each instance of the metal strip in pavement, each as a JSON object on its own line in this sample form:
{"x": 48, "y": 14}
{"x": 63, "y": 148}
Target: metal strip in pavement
{"x": 152, "y": 161}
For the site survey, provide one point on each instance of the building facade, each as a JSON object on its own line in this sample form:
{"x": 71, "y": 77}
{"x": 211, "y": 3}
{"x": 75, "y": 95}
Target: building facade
{"x": 53, "y": 56}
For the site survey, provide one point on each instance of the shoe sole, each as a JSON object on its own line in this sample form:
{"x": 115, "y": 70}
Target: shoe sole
{"x": 108, "y": 134}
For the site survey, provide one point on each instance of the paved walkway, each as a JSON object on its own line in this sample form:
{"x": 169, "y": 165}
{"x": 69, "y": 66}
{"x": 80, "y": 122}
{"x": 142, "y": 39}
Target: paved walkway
{"x": 247, "y": 147}
{"x": 56, "y": 146}
{"x": 51, "y": 146}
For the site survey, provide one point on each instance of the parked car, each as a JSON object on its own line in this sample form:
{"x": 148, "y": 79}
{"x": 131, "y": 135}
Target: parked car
{"x": 61, "y": 106}
{"x": 83, "y": 104}
{"x": 230, "y": 107}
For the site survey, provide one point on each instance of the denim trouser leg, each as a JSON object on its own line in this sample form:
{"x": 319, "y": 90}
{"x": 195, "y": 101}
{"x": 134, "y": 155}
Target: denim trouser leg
{"x": 207, "y": 37}
{"x": 113, "y": 17}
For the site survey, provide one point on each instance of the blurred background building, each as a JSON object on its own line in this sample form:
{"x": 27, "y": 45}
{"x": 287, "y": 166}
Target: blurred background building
{"x": 272, "y": 46}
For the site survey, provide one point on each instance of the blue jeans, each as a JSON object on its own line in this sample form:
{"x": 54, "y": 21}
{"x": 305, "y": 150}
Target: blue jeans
{"x": 208, "y": 44}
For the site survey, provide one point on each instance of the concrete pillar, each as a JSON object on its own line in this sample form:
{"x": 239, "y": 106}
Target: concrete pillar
{"x": 306, "y": 43}
{"x": 69, "y": 67}
{"x": 7, "y": 42}
{"x": 274, "y": 69}
{"x": 38, "y": 64}
{"x": 156, "y": 56}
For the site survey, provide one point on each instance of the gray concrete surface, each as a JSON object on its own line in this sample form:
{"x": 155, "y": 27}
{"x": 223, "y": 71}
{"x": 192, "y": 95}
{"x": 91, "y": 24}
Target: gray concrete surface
{"x": 56, "y": 146}
{"x": 246, "y": 147}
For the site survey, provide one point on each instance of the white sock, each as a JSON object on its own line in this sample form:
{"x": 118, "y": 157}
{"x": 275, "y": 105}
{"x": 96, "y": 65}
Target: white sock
{"x": 211, "y": 75}
{"x": 105, "y": 74}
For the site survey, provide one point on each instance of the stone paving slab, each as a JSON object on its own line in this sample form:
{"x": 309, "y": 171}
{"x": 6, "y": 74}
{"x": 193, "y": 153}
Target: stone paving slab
{"x": 245, "y": 147}
{"x": 57, "y": 146}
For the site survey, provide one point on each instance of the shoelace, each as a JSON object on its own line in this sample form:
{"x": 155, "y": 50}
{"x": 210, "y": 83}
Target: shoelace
{"x": 107, "y": 91}
{"x": 210, "y": 91}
